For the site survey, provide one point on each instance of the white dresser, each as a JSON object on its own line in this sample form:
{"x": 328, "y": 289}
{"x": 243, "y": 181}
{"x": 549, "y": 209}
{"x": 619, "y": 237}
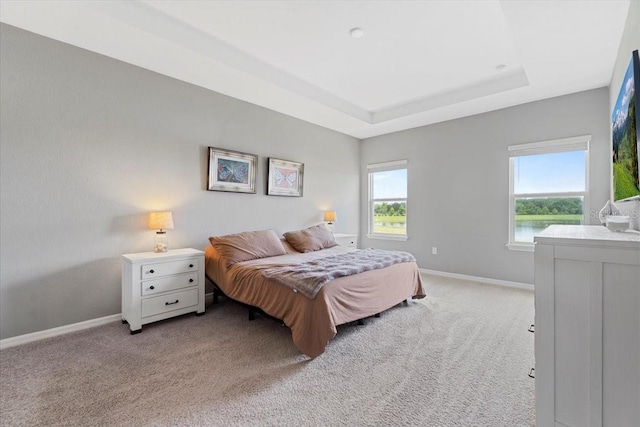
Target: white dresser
{"x": 348, "y": 240}
{"x": 157, "y": 286}
{"x": 587, "y": 333}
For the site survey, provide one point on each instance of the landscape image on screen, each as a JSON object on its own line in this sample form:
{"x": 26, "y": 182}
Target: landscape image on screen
{"x": 625, "y": 137}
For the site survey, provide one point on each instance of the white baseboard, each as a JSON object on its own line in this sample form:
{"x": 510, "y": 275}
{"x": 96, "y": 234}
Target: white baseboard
{"x": 75, "y": 327}
{"x": 54, "y": 332}
{"x": 506, "y": 283}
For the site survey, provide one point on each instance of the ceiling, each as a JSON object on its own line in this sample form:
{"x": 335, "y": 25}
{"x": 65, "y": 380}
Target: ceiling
{"x": 418, "y": 62}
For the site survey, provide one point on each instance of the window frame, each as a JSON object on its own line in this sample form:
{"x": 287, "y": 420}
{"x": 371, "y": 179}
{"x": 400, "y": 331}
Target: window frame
{"x": 577, "y": 143}
{"x": 382, "y": 167}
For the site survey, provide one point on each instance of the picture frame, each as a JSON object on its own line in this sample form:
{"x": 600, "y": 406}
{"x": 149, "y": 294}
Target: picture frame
{"x": 285, "y": 178}
{"x": 232, "y": 171}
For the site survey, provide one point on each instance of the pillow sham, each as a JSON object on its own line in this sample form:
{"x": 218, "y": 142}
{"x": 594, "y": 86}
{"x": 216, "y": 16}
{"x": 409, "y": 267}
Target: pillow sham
{"x": 247, "y": 245}
{"x": 287, "y": 246}
{"x": 311, "y": 239}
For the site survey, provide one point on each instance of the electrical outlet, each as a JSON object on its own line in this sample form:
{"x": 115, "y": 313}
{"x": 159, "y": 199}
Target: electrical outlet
{"x": 434, "y": 250}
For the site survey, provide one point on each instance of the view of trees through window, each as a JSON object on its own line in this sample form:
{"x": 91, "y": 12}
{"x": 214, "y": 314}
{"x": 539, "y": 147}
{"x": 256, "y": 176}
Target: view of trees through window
{"x": 534, "y": 215}
{"x": 548, "y": 186}
{"x": 388, "y": 198}
{"x": 390, "y": 217}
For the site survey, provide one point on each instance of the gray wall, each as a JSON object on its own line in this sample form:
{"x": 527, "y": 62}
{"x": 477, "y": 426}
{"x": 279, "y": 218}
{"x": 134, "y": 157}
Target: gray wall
{"x": 630, "y": 42}
{"x": 458, "y": 181}
{"x": 90, "y": 145}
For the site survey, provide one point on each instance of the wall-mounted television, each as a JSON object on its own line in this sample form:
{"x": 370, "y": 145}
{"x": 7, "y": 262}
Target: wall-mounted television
{"x": 625, "y": 147}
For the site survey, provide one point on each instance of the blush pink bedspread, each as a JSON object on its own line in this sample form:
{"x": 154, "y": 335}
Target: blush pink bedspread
{"x": 313, "y": 321}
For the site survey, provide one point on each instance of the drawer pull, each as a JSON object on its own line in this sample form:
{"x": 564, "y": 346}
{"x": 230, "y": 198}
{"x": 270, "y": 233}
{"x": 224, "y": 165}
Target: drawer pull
{"x": 171, "y": 303}
{"x": 151, "y": 271}
{"x": 531, "y": 372}
{"x": 190, "y": 280}
{"x": 190, "y": 265}
{"x": 532, "y": 328}
{"x": 152, "y": 287}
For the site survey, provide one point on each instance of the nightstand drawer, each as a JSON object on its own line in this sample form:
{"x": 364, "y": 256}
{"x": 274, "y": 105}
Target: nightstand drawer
{"x": 151, "y": 271}
{"x": 151, "y": 287}
{"x": 347, "y": 240}
{"x": 349, "y": 243}
{"x": 169, "y": 302}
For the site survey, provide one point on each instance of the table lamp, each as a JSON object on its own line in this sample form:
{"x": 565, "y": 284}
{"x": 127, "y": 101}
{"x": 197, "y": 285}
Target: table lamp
{"x": 161, "y": 221}
{"x": 330, "y": 217}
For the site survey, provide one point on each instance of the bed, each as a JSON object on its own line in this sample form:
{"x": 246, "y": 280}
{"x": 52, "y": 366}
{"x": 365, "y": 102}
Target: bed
{"x": 237, "y": 264}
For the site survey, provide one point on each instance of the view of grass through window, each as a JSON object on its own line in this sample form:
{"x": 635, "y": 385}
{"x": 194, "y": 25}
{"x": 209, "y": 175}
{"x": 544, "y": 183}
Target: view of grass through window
{"x": 547, "y": 188}
{"x": 534, "y": 215}
{"x": 390, "y": 217}
{"x": 388, "y": 199}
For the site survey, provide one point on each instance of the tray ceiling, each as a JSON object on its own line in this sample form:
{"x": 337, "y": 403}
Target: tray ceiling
{"x": 417, "y": 62}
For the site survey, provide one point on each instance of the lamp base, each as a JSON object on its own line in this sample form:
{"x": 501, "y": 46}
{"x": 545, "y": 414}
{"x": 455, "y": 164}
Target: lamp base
{"x": 162, "y": 242}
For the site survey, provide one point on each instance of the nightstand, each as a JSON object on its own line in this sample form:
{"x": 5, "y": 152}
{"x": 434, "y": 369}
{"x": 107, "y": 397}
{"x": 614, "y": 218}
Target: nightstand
{"x": 157, "y": 286}
{"x": 348, "y": 240}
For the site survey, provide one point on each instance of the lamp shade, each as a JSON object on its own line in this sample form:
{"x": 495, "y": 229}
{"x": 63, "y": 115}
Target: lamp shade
{"x": 161, "y": 220}
{"x": 330, "y": 216}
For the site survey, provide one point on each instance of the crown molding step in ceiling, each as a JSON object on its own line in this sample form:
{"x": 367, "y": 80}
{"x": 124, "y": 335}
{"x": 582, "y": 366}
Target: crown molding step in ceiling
{"x": 360, "y": 68}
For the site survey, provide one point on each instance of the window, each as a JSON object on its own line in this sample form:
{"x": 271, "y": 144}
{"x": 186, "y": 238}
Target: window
{"x": 388, "y": 200}
{"x": 548, "y": 185}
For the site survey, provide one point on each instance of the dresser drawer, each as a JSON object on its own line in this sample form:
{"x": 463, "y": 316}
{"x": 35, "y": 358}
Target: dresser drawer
{"x": 150, "y": 287}
{"x": 174, "y": 301}
{"x": 151, "y": 271}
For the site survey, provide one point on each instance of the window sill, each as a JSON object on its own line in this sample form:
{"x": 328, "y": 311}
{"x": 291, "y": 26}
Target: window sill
{"x": 396, "y": 237}
{"x": 522, "y": 247}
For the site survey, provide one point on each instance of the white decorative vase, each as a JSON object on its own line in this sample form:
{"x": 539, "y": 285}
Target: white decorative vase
{"x": 609, "y": 209}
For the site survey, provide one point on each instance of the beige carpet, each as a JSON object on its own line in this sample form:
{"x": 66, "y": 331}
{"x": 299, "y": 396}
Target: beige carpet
{"x": 460, "y": 357}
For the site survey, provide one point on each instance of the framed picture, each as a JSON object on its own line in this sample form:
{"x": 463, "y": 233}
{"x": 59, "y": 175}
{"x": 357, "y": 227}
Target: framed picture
{"x": 232, "y": 171}
{"x": 285, "y": 178}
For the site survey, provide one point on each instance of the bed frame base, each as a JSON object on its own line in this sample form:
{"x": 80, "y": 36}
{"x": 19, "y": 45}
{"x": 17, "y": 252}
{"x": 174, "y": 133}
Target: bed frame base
{"x": 253, "y": 310}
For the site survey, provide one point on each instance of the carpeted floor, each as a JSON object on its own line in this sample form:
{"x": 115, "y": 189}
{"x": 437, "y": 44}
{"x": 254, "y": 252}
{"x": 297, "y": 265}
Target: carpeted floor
{"x": 459, "y": 357}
